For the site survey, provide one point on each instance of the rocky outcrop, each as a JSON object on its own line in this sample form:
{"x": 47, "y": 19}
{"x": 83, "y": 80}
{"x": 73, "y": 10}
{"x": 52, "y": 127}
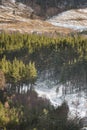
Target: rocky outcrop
{"x": 47, "y": 8}
{"x": 16, "y": 8}
{"x": 2, "y": 1}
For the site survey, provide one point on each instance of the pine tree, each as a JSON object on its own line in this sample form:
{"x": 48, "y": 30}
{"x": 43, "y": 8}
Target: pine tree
{"x": 2, "y": 80}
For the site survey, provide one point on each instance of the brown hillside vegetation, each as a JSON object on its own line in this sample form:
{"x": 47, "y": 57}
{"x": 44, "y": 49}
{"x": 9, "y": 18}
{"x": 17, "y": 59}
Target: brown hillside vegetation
{"x": 14, "y": 17}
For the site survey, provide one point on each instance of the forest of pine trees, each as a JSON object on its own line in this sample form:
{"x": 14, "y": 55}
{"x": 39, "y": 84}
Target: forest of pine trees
{"x": 22, "y": 57}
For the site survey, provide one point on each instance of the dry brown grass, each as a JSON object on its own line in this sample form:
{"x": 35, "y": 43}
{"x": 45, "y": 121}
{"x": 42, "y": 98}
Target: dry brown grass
{"x": 10, "y": 22}
{"x": 32, "y": 26}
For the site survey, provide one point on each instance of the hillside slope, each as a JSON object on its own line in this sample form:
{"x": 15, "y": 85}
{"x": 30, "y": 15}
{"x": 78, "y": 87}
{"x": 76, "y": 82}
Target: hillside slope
{"x": 74, "y": 19}
{"x": 17, "y": 17}
{"x": 47, "y": 8}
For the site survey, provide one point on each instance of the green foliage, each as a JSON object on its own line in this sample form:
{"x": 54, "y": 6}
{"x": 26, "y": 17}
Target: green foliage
{"x": 19, "y": 53}
{"x": 4, "y": 119}
{"x": 21, "y": 44}
{"x": 31, "y": 72}
{"x": 9, "y": 116}
{"x": 17, "y": 71}
{"x": 2, "y": 80}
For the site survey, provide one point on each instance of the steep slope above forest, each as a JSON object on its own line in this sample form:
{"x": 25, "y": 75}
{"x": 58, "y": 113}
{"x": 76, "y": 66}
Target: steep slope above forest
{"x": 19, "y": 17}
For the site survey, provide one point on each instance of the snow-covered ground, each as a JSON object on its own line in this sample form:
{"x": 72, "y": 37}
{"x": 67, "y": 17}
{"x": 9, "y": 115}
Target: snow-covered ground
{"x": 77, "y": 101}
{"x": 75, "y": 19}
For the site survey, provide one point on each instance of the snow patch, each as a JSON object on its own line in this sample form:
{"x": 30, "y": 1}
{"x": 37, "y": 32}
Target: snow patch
{"x": 77, "y": 101}
{"x": 73, "y": 19}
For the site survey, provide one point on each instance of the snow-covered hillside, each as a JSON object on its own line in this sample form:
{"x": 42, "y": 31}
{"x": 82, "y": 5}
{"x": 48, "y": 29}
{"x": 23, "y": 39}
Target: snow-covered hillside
{"x": 75, "y": 19}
